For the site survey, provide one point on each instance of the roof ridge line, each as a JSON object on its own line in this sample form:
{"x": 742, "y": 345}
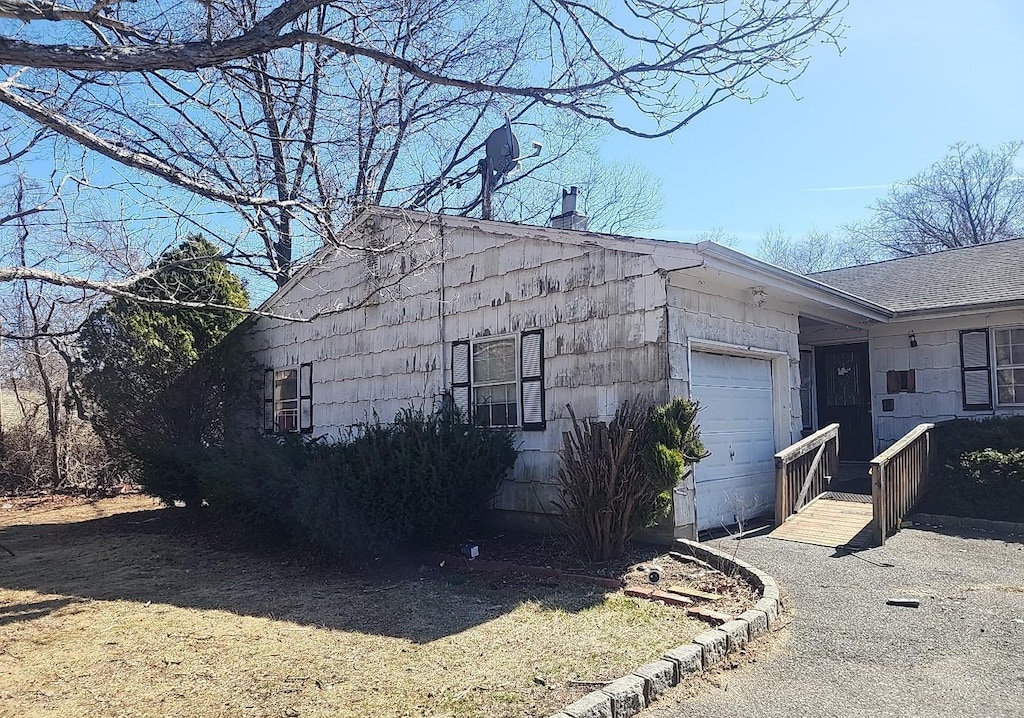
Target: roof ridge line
{"x": 946, "y": 250}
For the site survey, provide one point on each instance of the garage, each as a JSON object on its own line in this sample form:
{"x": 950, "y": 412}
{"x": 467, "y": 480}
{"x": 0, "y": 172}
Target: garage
{"x": 737, "y": 481}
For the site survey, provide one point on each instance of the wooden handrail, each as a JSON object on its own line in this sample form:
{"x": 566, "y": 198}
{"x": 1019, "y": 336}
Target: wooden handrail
{"x": 899, "y": 476}
{"x": 807, "y": 444}
{"x": 887, "y": 455}
{"x": 804, "y": 470}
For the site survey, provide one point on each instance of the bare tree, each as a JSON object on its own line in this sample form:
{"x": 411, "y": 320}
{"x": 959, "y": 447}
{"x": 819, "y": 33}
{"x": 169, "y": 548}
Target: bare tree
{"x": 718, "y": 235}
{"x": 816, "y": 251}
{"x": 971, "y": 196}
{"x": 293, "y": 113}
{"x": 620, "y": 197}
{"x": 46, "y": 445}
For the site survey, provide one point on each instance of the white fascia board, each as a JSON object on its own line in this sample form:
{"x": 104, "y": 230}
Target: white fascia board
{"x": 766, "y": 274}
{"x": 317, "y": 257}
{"x": 667, "y": 254}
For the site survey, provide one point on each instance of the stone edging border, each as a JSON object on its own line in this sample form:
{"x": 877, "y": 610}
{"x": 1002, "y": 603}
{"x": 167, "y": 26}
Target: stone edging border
{"x": 630, "y": 694}
{"x": 1002, "y": 527}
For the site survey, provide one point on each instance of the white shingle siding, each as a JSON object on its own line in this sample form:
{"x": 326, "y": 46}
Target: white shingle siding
{"x": 936, "y": 361}
{"x": 602, "y": 311}
{"x": 695, "y": 314}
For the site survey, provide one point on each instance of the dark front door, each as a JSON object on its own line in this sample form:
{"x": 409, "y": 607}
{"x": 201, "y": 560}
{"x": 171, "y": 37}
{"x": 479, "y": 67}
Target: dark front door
{"x": 844, "y": 397}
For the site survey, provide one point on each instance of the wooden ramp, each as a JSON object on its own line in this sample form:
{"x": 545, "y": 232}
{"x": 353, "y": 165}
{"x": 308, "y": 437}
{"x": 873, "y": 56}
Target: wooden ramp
{"x": 832, "y": 519}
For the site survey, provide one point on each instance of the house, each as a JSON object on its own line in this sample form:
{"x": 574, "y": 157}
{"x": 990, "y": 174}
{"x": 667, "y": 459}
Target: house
{"x": 515, "y": 322}
{"x": 953, "y": 347}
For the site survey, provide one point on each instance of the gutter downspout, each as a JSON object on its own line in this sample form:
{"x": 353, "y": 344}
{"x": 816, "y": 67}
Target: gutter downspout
{"x": 441, "y": 334}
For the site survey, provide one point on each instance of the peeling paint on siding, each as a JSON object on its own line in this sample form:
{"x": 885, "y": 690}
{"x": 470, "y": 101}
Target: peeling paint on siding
{"x": 605, "y": 340}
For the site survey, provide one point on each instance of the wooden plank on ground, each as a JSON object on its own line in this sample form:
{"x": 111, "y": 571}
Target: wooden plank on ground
{"x": 695, "y": 593}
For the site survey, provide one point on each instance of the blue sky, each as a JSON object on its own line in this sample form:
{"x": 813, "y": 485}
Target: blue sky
{"x": 914, "y": 77}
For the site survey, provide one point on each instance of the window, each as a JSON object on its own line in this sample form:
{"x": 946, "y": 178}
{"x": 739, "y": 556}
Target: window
{"x": 500, "y": 381}
{"x": 1009, "y": 346}
{"x": 288, "y": 399}
{"x": 494, "y": 383}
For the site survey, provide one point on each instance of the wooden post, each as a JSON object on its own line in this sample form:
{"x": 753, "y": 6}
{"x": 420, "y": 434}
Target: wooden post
{"x": 780, "y": 490}
{"x": 878, "y": 501}
{"x": 927, "y": 462}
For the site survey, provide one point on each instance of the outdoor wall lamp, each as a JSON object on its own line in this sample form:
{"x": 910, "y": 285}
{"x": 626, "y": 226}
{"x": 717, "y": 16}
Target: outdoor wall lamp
{"x": 913, "y": 339}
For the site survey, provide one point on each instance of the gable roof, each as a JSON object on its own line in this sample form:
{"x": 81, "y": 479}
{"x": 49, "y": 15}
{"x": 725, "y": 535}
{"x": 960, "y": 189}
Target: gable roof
{"x": 979, "y": 276}
{"x": 666, "y": 256}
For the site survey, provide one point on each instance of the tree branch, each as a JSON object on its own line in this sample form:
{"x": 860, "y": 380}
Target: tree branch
{"x": 120, "y": 290}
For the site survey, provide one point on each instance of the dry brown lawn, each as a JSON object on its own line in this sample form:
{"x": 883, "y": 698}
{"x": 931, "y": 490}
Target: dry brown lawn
{"x": 117, "y": 608}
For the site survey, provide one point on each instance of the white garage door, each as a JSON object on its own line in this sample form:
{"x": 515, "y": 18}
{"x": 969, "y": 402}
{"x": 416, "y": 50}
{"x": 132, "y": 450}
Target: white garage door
{"x": 736, "y": 422}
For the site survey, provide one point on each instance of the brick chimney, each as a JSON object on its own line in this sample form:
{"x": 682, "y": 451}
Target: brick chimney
{"x": 569, "y": 218}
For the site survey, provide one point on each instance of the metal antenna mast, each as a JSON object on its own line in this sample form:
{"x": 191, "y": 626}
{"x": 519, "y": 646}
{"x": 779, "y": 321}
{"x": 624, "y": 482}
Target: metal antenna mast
{"x": 501, "y": 156}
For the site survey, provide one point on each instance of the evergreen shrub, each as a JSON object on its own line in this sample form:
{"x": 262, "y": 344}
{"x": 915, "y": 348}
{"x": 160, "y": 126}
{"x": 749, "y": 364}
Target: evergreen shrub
{"x": 978, "y": 469}
{"x": 423, "y": 479}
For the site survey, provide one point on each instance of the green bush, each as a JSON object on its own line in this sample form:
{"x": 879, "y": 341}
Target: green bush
{"x": 953, "y": 439}
{"x": 423, "y": 479}
{"x": 252, "y": 481}
{"x": 674, "y": 442}
{"x": 329, "y": 516}
{"x": 426, "y": 477}
{"x": 978, "y": 469}
{"x": 988, "y": 484}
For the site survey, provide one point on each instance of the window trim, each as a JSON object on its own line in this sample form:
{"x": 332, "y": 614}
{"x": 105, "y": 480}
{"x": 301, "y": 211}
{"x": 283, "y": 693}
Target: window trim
{"x": 276, "y": 402}
{"x": 995, "y": 363}
{"x": 303, "y": 400}
{"x": 516, "y": 381}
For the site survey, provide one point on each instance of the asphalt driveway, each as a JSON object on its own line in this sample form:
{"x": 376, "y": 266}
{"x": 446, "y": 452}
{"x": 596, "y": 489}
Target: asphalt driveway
{"x": 845, "y": 653}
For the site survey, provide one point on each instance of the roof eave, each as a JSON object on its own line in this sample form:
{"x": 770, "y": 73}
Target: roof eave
{"x": 959, "y": 309}
{"x": 800, "y": 283}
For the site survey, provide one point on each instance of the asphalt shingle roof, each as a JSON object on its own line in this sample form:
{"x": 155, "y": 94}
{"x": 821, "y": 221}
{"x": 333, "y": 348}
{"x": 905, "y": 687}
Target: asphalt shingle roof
{"x": 982, "y": 274}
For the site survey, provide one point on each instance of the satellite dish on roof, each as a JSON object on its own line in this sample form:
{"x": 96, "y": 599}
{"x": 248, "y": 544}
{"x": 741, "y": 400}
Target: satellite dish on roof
{"x": 502, "y": 150}
{"x": 501, "y": 156}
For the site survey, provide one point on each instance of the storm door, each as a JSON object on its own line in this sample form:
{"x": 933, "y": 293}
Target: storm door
{"x": 844, "y": 397}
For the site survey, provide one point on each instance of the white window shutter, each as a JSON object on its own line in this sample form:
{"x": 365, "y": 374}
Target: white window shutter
{"x": 306, "y": 398}
{"x": 460, "y": 378}
{"x": 975, "y": 370}
{"x": 531, "y": 376}
{"x": 268, "y": 401}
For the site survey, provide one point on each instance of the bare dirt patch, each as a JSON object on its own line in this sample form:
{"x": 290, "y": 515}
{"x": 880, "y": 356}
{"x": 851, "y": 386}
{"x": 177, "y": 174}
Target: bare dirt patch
{"x": 633, "y": 569}
{"x": 120, "y": 608}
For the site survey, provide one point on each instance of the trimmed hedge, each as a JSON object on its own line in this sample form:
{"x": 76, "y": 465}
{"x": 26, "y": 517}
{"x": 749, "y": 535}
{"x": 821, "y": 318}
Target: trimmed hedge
{"x": 979, "y": 469}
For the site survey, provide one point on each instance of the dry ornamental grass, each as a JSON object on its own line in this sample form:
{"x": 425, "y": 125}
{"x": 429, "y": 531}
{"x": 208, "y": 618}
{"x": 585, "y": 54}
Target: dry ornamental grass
{"x": 116, "y": 608}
